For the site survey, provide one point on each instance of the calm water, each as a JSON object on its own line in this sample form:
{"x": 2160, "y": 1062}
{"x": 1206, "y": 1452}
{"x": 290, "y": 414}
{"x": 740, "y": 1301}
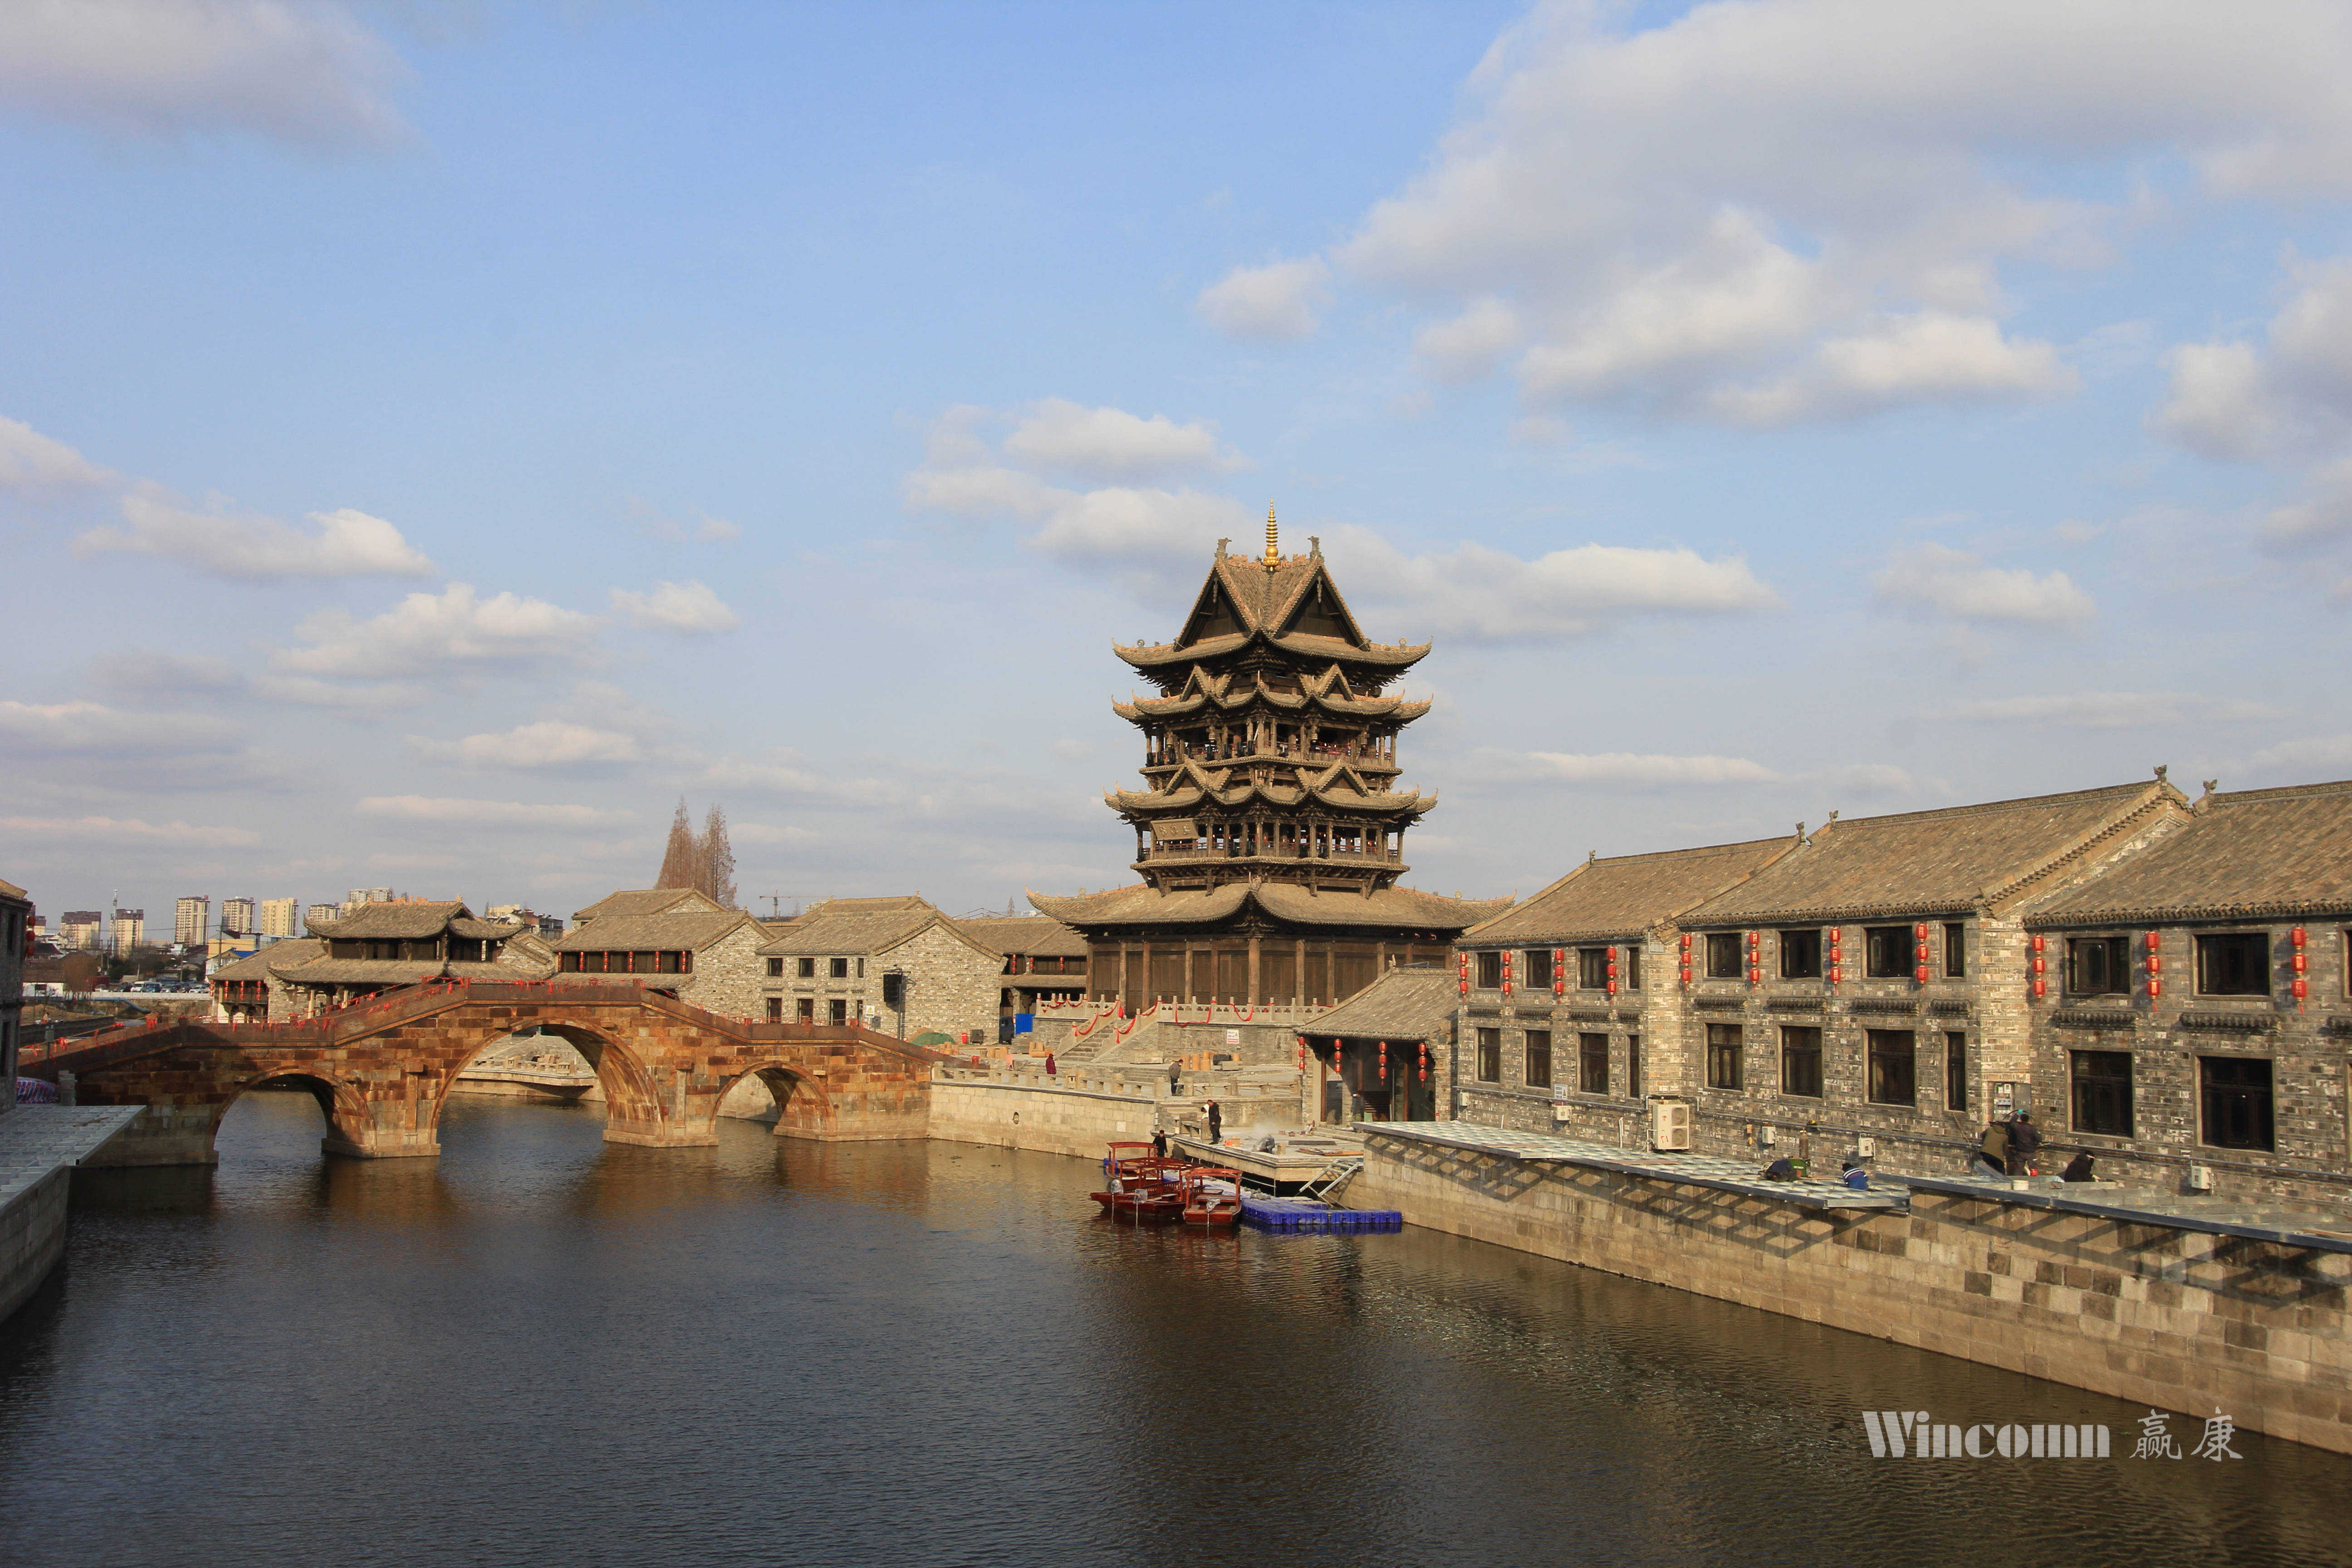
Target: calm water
{"x": 543, "y": 1349}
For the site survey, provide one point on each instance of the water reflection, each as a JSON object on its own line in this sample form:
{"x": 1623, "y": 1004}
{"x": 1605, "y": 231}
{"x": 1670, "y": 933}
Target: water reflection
{"x": 543, "y": 1348}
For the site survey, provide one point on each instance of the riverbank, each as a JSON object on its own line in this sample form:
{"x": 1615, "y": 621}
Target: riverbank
{"x": 40, "y": 1146}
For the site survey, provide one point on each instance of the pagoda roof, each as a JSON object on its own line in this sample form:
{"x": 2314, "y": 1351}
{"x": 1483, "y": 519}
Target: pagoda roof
{"x": 1234, "y": 691}
{"x": 1401, "y": 909}
{"x": 1339, "y": 786}
{"x": 1291, "y": 606}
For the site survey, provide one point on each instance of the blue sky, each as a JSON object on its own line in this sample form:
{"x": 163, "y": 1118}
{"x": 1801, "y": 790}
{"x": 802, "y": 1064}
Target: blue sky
{"x": 437, "y": 438}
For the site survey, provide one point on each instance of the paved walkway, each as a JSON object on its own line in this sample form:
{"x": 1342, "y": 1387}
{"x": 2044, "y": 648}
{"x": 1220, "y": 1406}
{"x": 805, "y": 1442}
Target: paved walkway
{"x": 1691, "y": 1170}
{"x": 34, "y": 1139}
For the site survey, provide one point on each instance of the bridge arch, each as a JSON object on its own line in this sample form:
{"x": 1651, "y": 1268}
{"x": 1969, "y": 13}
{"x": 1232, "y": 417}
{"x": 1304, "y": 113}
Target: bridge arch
{"x": 804, "y": 1108}
{"x": 633, "y": 1102}
{"x": 350, "y": 1122}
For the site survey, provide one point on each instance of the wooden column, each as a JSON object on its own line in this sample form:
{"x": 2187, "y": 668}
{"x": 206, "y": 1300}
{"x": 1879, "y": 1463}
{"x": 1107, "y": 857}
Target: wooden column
{"x": 1190, "y": 993}
{"x": 1256, "y": 992}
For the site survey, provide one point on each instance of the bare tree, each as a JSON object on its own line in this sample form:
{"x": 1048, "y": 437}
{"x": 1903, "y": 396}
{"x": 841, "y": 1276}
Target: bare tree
{"x": 717, "y": 859}
{"x": 681, "y": 861}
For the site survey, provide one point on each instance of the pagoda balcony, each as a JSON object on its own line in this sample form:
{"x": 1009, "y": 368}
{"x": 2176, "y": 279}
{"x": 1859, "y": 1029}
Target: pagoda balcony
{"x": 1287, "y": 853}
{"x": 1321, "y": 756}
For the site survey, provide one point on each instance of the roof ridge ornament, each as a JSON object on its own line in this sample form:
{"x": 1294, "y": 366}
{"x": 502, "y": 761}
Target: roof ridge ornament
{"x": 1272, "y": 555}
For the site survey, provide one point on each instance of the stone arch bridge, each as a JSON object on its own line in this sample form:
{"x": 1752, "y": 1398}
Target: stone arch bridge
{"x": 381, "y": 1073}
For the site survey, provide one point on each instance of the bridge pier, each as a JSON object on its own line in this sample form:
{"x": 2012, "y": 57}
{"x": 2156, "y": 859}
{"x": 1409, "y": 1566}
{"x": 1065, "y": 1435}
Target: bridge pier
{"x": 165, "y": 1134}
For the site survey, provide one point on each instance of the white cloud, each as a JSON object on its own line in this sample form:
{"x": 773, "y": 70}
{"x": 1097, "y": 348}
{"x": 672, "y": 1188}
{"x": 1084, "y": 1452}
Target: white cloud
{"x": 127, "y": 830}
{"x": 32, "y": 461}
{"x": 677, "y": 607}
{"x": 1801, "y": 208}
{"x": 487, "y": 812}
{"x": 93, "y": 730}
{"x": 549, "y": 743}
{"x": 2117, "y": 710}
{"x": 1954, "y": 582}
{"x": 764, "y": 832}
{"x": 1279, "y": 302}
{"x": 144, "y": 673}
{"x": 1111, "y": 443}
{"x": 298, "y": 71}
{"x": 309, "y": 691}
{"x": 342, "y": 543}
{"x": 1662, "y": 770}
{"x": 2289, "y": 396}
{"x": 451, "y": 630}
{"x": 719, "y": 529}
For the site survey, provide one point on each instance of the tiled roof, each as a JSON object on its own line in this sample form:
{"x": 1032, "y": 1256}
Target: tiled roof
{"x": 688, "y": 930}
{"x": 843, "y": 927}
{"x": 646, "y": 901}
{"x": 379, "y": 972}
{"x": 1262, "y": 604}
{"x": 1933, "y": 862}
{"x": 10, "y": 890}
{"x": 1402, "y": 1004}
{"x": 401, "y": 922}
{"x": 1627, "y": 894}
{"x": 1397, "y": 908}
{"x": 2248, "y": 854}
{"x": 1034, "y": 935}
{"x": 257, "y": 966}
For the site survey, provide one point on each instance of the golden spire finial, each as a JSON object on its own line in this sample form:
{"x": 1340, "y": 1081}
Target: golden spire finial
{"x": 1273, "y": 556}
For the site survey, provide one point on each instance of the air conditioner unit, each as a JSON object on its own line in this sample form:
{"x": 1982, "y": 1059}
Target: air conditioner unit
{"x": 1670, "y": 1125}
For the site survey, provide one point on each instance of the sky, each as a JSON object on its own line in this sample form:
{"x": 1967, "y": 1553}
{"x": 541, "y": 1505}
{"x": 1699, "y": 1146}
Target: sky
{"x": 435, "y": 437}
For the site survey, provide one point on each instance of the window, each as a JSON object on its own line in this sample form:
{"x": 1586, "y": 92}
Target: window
{"x": 1723, "y": 955}
{"x": 1956, "y": 1072}
{"x": 1490, "y": 972}
{"x": 808, "y": 1008}
{"x": 2235, "y": 965}
{"x": 2103, "y": 1092}
{"x": 1800, "y": 955}
{"x": 2098, "y": 966}
{"x": 776, "y": 969}
{"x": 1593, "y": 968}
{"x": 775, "y": 1009}
{"x": 838, "y": 967}
{"x": 2236, "y": 1092}
{"x": 837, "y": 1011}
{"x": 1800, "y": 1061}
{"x": 1722, "y": 1053}
{"x": 808, "y": 969}
{"x": 1894, "y": 1075}
{"x": 1886, "y": 952}
{"x": 1539, "y": 1058}
{"x": 1634, "y": 1066}
{"x": 1490, "y": 1056}
{"x": 1632, "y": 966}
{"x": 1538, "y": 968}
{"x": 1592, "y": 1054}
{"x": 861, "y": 967}
{"x": 1956, "y": 951}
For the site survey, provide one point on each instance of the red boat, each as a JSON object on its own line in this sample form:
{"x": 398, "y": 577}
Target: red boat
{"x": 1143, "y": 1186}
{"x": 1212, "y": 1195}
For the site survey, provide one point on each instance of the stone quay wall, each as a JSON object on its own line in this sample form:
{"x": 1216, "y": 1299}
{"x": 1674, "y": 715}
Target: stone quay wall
{"x": 2180, "y": 1319}
{"x": 1013, "y": 1115}
{"x": 32, "y": 1237}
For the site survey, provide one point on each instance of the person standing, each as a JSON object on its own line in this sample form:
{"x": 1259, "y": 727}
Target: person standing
{"x": 1995, "y": 1147}
{"x": 2024, "y": 1138}
{"x": 1049, "y": 1064}
{"x": 1216, "y": 1122}
{"x": 1159, "y": 1144}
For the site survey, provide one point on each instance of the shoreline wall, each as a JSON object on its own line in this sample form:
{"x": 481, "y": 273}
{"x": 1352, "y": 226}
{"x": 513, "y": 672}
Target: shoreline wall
{"x": 1079, "y": 1121}
{"x": 2180, "y": 1319}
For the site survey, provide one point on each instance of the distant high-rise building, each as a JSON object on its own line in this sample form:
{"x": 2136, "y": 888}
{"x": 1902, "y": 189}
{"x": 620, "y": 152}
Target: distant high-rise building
{"x": 191, "y": 918}
{"x": 130, "y": 931}
{"x": 84, "y": 928}
{"x": 359, "y": 896}
{"x": 319, "y": 914}
{"x": 278, "y": 918}
{"x": 236, "y": 917}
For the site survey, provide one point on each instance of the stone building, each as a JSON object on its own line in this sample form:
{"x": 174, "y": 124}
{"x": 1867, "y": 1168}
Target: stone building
{"x": 385, "y": 947}
{"x": 1569, "y": 1015}
{"x": 16, "y": 948}
{"x": 2191, "y": 1004}
{"x": 1383, "y": 1055}
{"x": 895, "y": 964}
{"x": 1045, "y": 961}
{"x": 246, "y": 990}
{"x": 688, "y": 944}
{"x": 1870, "y": 983}
{"x": 1269, "y": 832}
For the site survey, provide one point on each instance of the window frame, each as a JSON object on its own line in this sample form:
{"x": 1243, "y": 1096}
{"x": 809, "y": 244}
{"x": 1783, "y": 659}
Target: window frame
{"x": 1488, "y": 965}
{"x": 1876, "y": 940}
{"x": 2115, "y": 951}
{"x": 1530, "y": 1052}
{"x": 1727, "y": 1051}
{"x": 1588, "y": 1057}
{"x": 1955, "y": 950}
{"x": 836, "y": 1012}
{"x": 1956, "y": 1070}
{"x": 1628, "y": 964}
{"x": 1535, "y": 962}
{"x": 836, "y": 969}
{"x": 1796, "y": 1051}
{"x": 806, "y": 969}
{"x": 1592, "y": 969}
{"x": 1800, "y": 953}
{"x": 2266, "y": 1107}
{"x": 1489, "y": 1064}
{"x": 2081, "y": 1093}
{"x": 1725, "y": 942}
{"x": 2219, "y": 942}
{"x": 776, "y": 969}
{"x": 1907, "y": 1055}
{"x": 1632, "y": 1067}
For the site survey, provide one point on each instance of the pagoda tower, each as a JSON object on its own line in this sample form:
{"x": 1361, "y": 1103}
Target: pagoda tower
{"x": 1269, "y": 832}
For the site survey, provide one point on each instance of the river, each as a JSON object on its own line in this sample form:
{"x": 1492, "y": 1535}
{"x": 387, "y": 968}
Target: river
{"x": 543, "y": 1349}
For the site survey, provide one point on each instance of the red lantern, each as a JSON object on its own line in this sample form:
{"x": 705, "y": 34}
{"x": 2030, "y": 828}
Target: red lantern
{"x": 2155, "y": 987}
{"x": 2302, "y": 986}
{"x": 2041, "y": 986}
{"x": 1687, "y": 941}
{"x": 1560, "y": 987}
{"x": 1837, "y": 973}
{"x": 2037, "y": 964}
{"x": 1612, "y": 988}
{"x": 1920, "y": 931}
{"x": 2296, "y": 937}
{"x": 2037, "y": 942}
{"x": 2154, "y": 964}
{"x": 1465, "y": 988}
{"x": 2300, "y": 960}
{"x": 1755, "y": 976}
{"x": 1920, "y": 974}
{"x": 1559, "y": 959}
{"x": 2151, "y": 942}
{"x": 1687, "y": 974}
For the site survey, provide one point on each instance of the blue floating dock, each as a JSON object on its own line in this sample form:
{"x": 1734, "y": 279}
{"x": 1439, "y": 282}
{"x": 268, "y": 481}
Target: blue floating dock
{"x": 1305, "y": 1217}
